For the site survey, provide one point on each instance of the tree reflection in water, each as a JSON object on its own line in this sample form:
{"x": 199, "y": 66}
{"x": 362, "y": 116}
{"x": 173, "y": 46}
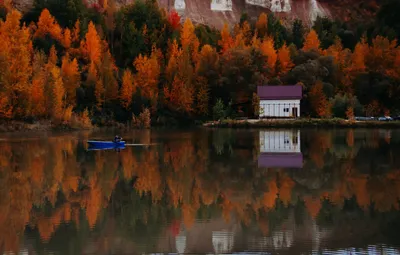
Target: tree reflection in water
{"x": 200, "y": 191}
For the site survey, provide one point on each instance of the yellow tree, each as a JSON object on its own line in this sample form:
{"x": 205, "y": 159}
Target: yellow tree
{"x": 268, "y": 50}
{"x": 174, "y": 54}
{"x": 342, "y": 59}
{"x": 312, "y": 41}
{"x": 208, "y": 60}
{"x": 37, "y": 93}
{"x": 255, "y": 41}
{"x": 381, "y": 55}
{"x": 179, "y": 96}
{"x": 202, "y": 96}
{"x": 107, "y": 75}
{"x": 92, "y": 75}
{"x": 285, "y": 62}
{"x": 187, "y": 34}
{"x": 262, "y": 25}
{"x": 147, "y": 76}
{"x": 48, "y": 25}
{"x": 66, "y": 38}
{"x": 226, "y": 41}
{"x": 179, "y": 90}
{"x": 205, "y": 74}
{"x": 71, "y": 78}
{"x": 75, "y": 35}
{"x": 58, "y": 94}
{"x": 99, "y": 93}
{"x": 318, "y": 100}
{"x": 243, "y": 35}
{"x": 15, "y": 62}
{"x": 358, "y": 56}
{"x": 189, "y": 40}
{"x": 92, "y": 47}
{"x": 127, "y": 89}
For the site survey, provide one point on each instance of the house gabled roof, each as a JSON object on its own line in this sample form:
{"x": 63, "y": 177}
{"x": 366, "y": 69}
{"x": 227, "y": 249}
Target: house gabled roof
{"x": 280, "y": 92}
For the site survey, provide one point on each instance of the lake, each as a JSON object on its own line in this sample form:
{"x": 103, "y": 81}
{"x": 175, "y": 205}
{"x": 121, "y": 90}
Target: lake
{"x": 202, "y": 191}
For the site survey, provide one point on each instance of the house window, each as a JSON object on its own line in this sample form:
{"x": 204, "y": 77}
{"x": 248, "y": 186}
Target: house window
{"x": 286, "y": 109}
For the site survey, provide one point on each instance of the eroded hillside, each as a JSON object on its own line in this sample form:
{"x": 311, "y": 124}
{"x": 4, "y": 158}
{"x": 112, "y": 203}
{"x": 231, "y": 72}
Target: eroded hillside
{"x": 217, "y": 12}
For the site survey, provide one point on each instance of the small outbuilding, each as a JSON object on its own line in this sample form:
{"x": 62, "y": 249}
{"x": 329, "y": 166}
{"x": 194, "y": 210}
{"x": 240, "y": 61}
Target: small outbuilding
{"x": 280, "y": 101}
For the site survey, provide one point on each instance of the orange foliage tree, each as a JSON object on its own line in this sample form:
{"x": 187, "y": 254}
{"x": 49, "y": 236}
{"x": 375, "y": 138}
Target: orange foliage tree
{"x": 179, "y": 91}
{"x": 15, "y": 63}
{"x": 268, "y": 50}
{"x": 146, "y": 78}
{"x": 91, "y": 47}
{"x": 48, "y": 25}
{"x": 284, "y": 61}
{"x": 57, "y": 93}
{"x": 107, "y": 85}
{"x": 318, "y": 100}
{"x": 71, "y": 79}
{"x": 226, "y": 41}
{"x": 312, "y": 41}
{"x": 37, "y": 98}
{"x": 127, "y": 89}
{"x": 262, "y": 25}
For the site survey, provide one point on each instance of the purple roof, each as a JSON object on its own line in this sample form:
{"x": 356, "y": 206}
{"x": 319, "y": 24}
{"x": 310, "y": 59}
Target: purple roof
{"x": 284, "y": 160}
{"x": 280, "y": 92}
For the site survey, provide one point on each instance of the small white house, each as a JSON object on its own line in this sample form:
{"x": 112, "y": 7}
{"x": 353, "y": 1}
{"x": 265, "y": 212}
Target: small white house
{"x": 280, "y": 101}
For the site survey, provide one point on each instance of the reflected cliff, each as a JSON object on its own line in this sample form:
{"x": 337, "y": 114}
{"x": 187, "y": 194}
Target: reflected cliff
{"x": 201, "y": 191}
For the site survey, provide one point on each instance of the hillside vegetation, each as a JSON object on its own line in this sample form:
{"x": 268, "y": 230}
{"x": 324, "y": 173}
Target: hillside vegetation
{"x": 74, "y": 63}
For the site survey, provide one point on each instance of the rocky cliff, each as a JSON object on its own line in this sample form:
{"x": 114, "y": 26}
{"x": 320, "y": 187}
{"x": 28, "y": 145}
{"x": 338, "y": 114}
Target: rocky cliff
{"x": 217, "y": 12}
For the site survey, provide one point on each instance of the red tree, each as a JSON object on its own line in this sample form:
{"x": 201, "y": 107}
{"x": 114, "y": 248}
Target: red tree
{"x": 174, "y": 19}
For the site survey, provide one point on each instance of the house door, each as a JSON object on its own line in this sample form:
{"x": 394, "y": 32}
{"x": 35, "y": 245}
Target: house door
{"x": 294, "y": 112}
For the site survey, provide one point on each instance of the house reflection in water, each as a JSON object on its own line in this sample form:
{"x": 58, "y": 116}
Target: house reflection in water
{"x": 280, "y": 148}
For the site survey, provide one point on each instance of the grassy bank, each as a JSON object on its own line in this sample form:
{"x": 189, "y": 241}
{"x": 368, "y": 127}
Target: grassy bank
{"x": 299, "y": 123}
{"x": 44, "y": 125}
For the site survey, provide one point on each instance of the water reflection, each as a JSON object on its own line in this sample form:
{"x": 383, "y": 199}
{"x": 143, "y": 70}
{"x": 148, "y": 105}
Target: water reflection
{"x": 202, "y": 192}
{"x": 280, "y": 148}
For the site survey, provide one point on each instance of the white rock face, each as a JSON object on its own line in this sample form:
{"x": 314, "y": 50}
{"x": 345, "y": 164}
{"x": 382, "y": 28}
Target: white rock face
{"x": 276, "y": 6}
{"x": 316, "y": 10}
{"x": 273, "y": 5}
{"x": 286, "y": 6}
{"x": 262, "y": 3}
{"x": 180, "y": 5}
{"x": 221, "y": 5}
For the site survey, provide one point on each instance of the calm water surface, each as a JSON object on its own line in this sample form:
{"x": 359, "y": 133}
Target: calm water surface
{"x": 202, "y": 191}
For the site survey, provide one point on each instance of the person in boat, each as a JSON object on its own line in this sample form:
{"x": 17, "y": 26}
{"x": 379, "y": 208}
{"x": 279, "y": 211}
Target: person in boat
{"x": 117, "y": 139}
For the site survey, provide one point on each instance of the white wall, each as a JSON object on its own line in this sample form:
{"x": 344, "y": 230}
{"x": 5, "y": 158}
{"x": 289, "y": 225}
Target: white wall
{"x": 276, "y": 108}
{"x": 283, "y": 141}
{"x": 221, "y": 5}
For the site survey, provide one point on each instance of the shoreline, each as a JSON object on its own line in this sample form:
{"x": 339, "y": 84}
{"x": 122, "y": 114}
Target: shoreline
{"x": 301, "y": 123}
{"x": 46, "y": 126}
{"x": 14, "y": 126}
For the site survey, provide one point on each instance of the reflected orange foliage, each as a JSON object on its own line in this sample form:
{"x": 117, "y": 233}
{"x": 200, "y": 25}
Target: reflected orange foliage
{"x": 313, "y": 205}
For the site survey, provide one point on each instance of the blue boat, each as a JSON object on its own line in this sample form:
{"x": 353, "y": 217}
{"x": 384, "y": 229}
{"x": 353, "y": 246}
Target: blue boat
{"x": 106, "y": 145}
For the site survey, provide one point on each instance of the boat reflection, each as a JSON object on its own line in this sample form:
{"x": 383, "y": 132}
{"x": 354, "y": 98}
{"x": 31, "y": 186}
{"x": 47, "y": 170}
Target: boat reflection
{"x": 280, "y": 149}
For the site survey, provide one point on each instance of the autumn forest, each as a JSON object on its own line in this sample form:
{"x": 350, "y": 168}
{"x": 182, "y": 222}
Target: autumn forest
{"x": 80, "y": 64}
